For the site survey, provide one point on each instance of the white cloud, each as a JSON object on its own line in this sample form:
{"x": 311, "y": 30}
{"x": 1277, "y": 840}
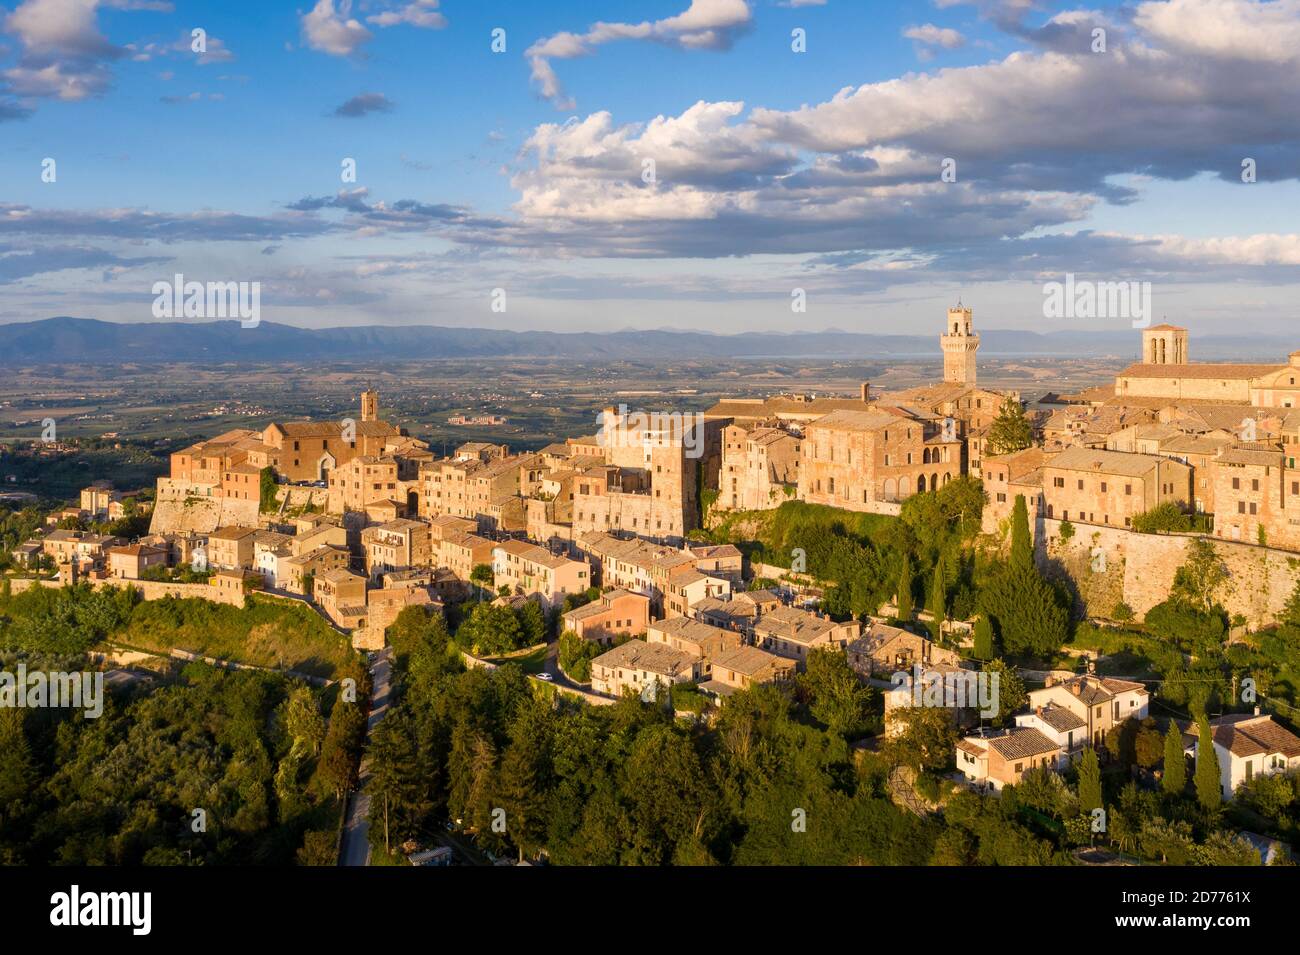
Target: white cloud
{"x": 419, "y": 13}
{"x": 333, "y": 31}
{"x": 1234, "y": 29}
{"x": 932, "y": 35}
{"x": 704, "y": 25}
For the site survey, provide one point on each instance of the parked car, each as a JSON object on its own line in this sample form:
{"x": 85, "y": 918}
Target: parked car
{"x": 545, "y": 676}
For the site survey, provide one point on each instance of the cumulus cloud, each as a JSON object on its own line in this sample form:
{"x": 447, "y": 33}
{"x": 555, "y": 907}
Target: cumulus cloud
{"x": 64, "y": 55}
{"x": 1250, "y": 30}
{"x": 704, "y": 25}
{"x": 334, "y": 30}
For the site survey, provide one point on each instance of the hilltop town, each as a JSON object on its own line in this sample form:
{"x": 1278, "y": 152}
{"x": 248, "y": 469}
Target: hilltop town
{"x": 634, "y": 562}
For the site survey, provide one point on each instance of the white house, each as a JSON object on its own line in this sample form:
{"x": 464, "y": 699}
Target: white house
{"x": 1247, "y": 745}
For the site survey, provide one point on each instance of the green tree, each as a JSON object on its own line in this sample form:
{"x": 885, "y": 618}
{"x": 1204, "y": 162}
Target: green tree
{"x": 1225, "y": 848}
{"x": 491, "y": 629}
{"x": 17, "y": 771}
{"x": 1011, "y": 689}
{"x": 838, "y": 698}
{"x": 1209, "y": 791}
{"x": 523, "y": 781}
{"x": 1198, "y": 580}
{"x": 267, "y": 489}
{"x": 303, "y": 722}
{"x": 342, "y": 748}
{"x": 1166, "y": 516}
{"x": 1010, "y": 430}
{"x": 983, "y": 645}
{"x": 1022, "y": 546}
{"x": 1089, "y": 781}
{"x": 317, "y": 848}
{"x": 925, "y": 739}
{"x": 576, "y": 655}
{"x": 905, "y": 589}
{"x": 1291, "y": 612}
{"x": 1170, "y": 842}
{"x": 483, "y": 575}
{"x": 1175, "y": 774}
{"x": 937, "y": 601}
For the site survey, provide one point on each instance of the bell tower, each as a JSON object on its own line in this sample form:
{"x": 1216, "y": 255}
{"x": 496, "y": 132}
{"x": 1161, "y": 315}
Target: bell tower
{"x": 1164, "y": 345}
{"x": 959, "y": 343}
{"x": 369, "y": 405}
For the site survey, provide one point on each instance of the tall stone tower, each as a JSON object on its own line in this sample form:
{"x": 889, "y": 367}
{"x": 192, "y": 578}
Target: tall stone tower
{"x": 959, "y": 344}
{"x": 1164, "y": 345}
{"x": 369, "y": 405}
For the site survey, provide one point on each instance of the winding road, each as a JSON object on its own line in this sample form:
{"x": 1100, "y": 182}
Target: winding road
{"x": 355, "y": 849}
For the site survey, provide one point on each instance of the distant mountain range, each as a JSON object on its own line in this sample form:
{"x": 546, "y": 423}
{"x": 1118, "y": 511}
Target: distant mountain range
{"x": 58, "y": 340}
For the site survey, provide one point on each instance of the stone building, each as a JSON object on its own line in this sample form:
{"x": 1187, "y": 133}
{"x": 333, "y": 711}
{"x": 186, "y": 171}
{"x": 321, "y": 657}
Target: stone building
{"x": 760, "y": 468}
{"x": 615, "y": 612}
{"x": 861, "y": 460}
{"x": 1092, "y": 486}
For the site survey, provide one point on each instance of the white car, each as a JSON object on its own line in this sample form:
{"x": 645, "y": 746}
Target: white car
{"x": 545, "y": 676}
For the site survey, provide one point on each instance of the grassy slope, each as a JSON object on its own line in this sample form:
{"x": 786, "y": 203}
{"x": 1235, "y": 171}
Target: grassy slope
{"x": 267, "y": 633}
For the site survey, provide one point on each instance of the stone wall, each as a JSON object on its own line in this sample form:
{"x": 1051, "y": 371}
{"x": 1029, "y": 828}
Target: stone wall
{"x": 179, "y": 511}
{"x": 1110, "y": 564}
{"x": 149, "y": 589}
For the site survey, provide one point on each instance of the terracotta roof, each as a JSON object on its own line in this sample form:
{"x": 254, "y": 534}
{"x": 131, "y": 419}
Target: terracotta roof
{"x": 779, "y": 406}
{"x": 533, "y": 553}
{"x": 1233, "y": 372}
{"x": 748, "y": 660}
{"x": 1105, "y": 462}
{"x": 1244, "y": 734}
{"x": 797, "y": 626}
{"x": 1250, "y": 456}
{"x": 1021, "y": 743}
{"x": 231, "y": 533}
{"x": 1059, "y": 718}
{"x": 874, "y": 419}
{"x": 640, "y": 655}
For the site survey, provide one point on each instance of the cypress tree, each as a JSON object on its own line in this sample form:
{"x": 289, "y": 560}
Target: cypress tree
{"x": 983, "y": 649}
{"x": 1208, "y": 790}
{"x": 936, "y": 602}
{"x": 1089, "y": 781}
{"x": 1022, "y": 548}
{"x": 1175, "y": 777}
{"x": 905, "y": 590}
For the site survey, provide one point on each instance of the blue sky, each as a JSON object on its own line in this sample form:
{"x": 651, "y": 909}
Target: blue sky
{"x": 775, "y": 169}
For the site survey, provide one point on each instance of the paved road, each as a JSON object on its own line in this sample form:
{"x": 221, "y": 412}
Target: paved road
{"x": 552, "y": 666}
{"x": 356, "y": 830}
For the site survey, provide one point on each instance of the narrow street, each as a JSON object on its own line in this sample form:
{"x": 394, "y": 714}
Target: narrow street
{"x": 355, "y": 849}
